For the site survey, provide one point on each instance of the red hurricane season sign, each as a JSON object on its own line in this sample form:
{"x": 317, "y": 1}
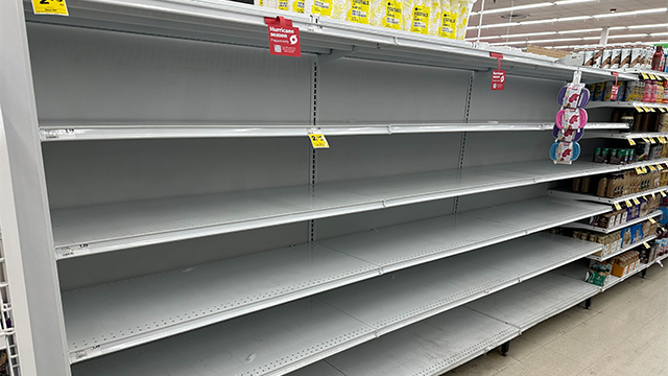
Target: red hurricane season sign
{"x": 283, "y": 37}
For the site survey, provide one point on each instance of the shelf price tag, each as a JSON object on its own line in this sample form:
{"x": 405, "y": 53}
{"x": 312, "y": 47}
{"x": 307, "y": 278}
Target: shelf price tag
{"x": 652, "y": 221}
{"x": 644, "y": 75}
{"x": 319, "y": 141}
{"x": 663, "y": 194}
{"x": 628, "y": 203}
{"x": 52, "y": 7}
{"x": 653, "y": 195}
{"x": 652, "y": 168}
{"x": 638, "y": 171}
{"x": 645, "y": 198}
{"x": 662, "y": 109}
{"x": 653, "y": 77}
{"x": 651, "y": 141}
{"x": 645, "y": 139}
{"x": 617, "y": 206}
{"x": 662, "y": 140}
{"x": 636, "y": 201}
{"x": 638, "y": 108}
{"x": 631, "y": 142}
{"x": 648, "y": 109}
{"x": 644, "y": 169}
{"x": 283, "y": 37}
{"x": 646, "y": 245}
{"x": 659, "y": 167}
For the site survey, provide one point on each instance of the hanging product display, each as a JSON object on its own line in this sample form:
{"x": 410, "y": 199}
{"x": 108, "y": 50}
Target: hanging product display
{"x": 569, "y": 122}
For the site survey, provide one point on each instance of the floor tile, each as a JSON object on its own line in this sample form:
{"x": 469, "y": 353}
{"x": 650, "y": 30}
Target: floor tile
{"x": 486, "y": 365}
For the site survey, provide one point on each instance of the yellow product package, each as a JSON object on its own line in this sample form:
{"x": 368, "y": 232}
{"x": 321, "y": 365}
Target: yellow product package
{"x": 358, "y": 11}
{"x": 463, "y": 10}
{"x": 297, "y": 6}
{"x": 273, "y": 4}
{"x": 420, "y": 16}
{"x": 448, "y": 20}
{"x": 434, "y": 17}
{"x": 387, "y": 13}
{"x": 335, "y": 9}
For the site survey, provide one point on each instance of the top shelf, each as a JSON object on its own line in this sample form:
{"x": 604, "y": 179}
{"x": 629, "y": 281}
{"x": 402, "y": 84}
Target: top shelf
{"x": 242, "y": 24}
{"x": 65, "y": 132}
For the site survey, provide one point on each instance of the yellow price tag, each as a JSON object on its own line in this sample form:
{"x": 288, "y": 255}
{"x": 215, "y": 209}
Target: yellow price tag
{"x": 663, "y": 194}
{"x": 631, "y": 142}
{"x": 652, "y": 168}
{"x": 648, "y": 109}
{"x": 652, "y": 221}
{"x": 645, "y": 198}
{"x": 645, "y": 139}
{"x": 628, "y": 203}
{"x": 646, "y": 245}
{"x": 644, "y": 75}
{"x": 319, "y": 141}
{"x": 638, "y": 108}
{"x": 662, "y": 109}
{"x": 653, "y": 195}
{"x": 55, "y": 7}
{"x": 662, "y": 140}
{"x": 653, "y": 77}
{"x": 651, "y": 141}
{"x": 644, "y": 169}
{"x": 638, "y": 170}
{"x": 659, "y": 167}
{"x": 636, "y": 201}
{"x": 617, "y": 206}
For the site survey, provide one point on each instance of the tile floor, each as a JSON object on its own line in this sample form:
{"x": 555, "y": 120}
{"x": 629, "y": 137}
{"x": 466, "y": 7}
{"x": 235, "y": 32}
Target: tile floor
{"x": 624, "y": 333}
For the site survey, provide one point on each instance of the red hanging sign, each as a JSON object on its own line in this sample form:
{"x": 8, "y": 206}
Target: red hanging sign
{"x": 498, "y": 76}
{"x": 283, "y": 37}
{"x": 614, "y": 91}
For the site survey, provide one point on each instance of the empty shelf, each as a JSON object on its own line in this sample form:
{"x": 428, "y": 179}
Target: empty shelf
{"x": 402, "y": 298}
{"x": 104, "y": 228}
{"x": 606, "y": 200}
{"x": 529, "y": 303}
{"x": 383, "y": 304}
{"x": 271, "y": 342}
{"x": 81, "y": 132}
{"x": 105, "y": 317}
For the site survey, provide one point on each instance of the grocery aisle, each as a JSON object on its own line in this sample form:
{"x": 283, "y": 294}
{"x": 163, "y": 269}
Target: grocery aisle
{"x": 625, "y": 333}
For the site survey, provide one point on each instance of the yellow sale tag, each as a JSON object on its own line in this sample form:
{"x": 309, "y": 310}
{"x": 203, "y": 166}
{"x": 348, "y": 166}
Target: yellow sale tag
{"x": 628, "y": 203}
{"x": 663, "y": 193}
{"x": 319, "y": 141}
{"x": 635, "y": 201}
{"x": 648, "y": 109}
{"x": 646, "y": 245}
{"x": 652, "y": 221}
{"x": 652, "y": 76}
{"x": 617, "y": 206}
{"x": 638, "y": 170}
{"x": 651, "y": 168}
{"x": 54, "y": 7}
{"x": 662, "y": 109}
{"x": 651, "y": 141}
{"x": 638, "y": 108}
{"x": 631, "y": 142}
{"x": 644, "y": 75}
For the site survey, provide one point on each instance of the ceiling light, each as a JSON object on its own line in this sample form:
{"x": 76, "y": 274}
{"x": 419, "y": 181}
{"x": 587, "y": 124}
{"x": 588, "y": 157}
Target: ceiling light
{"x": 627, "y": 36}
{"x": 530, "y": 6}
{"x": 647, "y": 26}
{"x": 632, "y": 13}
{"x": 579, "y": 31}
{"x": 617, "y": 28}
{"x": 491, "y": 26}
{"x": 658, "y": 34}
{"x": 528, "y": 34}
{"x": 566, "y": 2}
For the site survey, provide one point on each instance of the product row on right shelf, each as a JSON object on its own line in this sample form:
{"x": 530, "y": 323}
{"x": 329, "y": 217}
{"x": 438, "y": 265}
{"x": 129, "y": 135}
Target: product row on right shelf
{"x": 648, "y": 91}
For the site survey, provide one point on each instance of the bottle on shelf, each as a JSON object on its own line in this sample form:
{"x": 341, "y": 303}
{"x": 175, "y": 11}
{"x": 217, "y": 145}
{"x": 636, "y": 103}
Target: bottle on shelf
{"x": 656, "y": 58}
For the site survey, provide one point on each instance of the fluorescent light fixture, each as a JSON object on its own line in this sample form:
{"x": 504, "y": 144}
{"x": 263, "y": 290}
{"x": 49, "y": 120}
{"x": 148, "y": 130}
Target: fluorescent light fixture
{"x": 617, "y": 28}
{"x": 528, "y": 34}
{"x": 579, "y": 31}
{"x": 576, "y": 18}
{"x": 493, "y": 26}
{"x": 632, "y": 13}
{"x": 591, "y": 38}
{"x": 627, "y": 36}
{"x": 508, "y": 43}
{"x": 530, "y": 6}
{"x": 647, "y": 26}
{"x": 566, "y": 2}
{"x": 658, "y": 34}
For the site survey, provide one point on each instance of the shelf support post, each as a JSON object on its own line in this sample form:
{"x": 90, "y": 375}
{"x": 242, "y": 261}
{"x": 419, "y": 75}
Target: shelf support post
{"x": 588, "y": 303}
{"x": 505, "y": 348}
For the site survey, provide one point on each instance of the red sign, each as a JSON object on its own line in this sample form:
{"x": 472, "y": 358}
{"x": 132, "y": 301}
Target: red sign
{"x": 613, "y": 92}
{"x": 498, "y": 79}
{"x": 283, "y": 38}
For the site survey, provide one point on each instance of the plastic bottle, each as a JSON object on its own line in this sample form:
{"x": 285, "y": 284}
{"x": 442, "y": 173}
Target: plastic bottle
{"x": 656, "y": 58}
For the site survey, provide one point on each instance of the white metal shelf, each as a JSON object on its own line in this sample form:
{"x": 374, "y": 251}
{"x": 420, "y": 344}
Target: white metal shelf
{"x": 615, "y": 228}
{"x": 606, "y": 200}
{"x": 384, "y": 304}
{"x": 534, "y": 301}
{"x": 617, "y": 104}
{"x": 244, "y": 24}
{"x": 66, "y": 132}
{"x": 219, "y": 291}
{"x": 624, "y": 249}
{"x": 624, "y": 135}
{"x": 611, "y": 280}
{"x": 103, "y": 228}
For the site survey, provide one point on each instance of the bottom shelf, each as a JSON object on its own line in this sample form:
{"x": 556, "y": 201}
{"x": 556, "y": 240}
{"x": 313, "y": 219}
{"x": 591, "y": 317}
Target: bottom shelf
{"x": 446, "y": 341}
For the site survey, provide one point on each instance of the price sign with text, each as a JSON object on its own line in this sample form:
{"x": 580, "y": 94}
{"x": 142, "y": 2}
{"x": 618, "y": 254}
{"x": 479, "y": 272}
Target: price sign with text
{"x": 283, "y": 37}
{"x": 498, "y": 79}
{"x": 614, "y": 90}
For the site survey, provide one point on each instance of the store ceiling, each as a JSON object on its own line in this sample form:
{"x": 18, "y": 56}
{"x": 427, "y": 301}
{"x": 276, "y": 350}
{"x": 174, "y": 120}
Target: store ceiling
{"x": 560, "y": 33}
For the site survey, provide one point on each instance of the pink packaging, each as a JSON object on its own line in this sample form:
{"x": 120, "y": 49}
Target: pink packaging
{"x": 647, "y": 92}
